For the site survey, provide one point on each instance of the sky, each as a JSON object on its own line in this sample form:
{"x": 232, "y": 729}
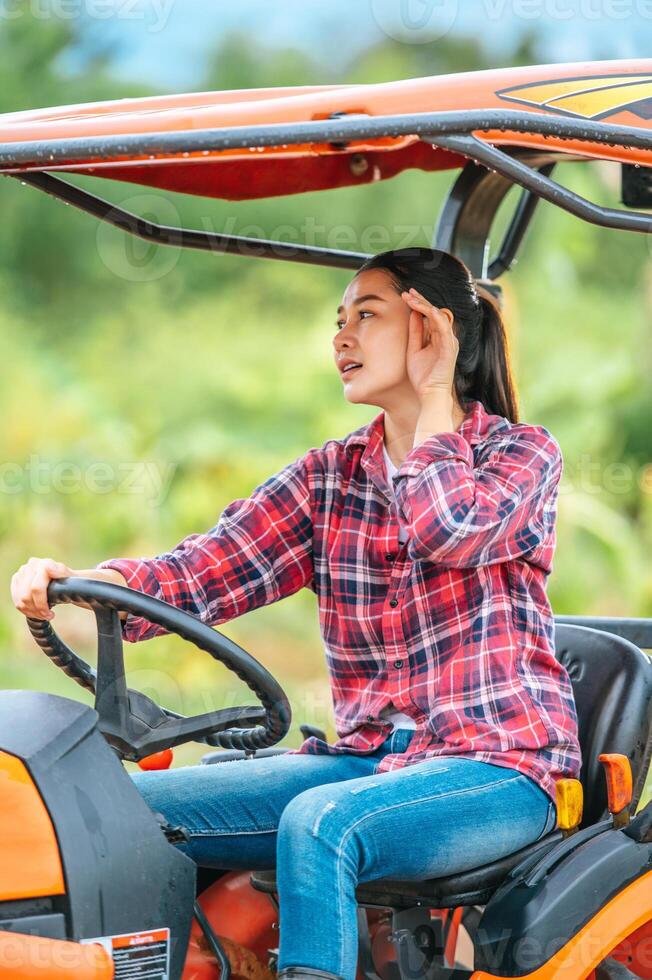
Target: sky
{"x": 166, "y": 41}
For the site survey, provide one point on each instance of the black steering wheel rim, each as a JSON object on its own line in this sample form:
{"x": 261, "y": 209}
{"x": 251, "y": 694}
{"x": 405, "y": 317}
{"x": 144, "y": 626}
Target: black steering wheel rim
{"x": 134, "y": 724}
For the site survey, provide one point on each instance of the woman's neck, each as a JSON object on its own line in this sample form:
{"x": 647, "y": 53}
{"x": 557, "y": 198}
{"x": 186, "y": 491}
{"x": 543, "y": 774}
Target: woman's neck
{"x": 401, "y": 425}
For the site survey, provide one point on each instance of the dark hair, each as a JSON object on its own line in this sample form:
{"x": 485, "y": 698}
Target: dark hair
{"x": 482, "y": 369}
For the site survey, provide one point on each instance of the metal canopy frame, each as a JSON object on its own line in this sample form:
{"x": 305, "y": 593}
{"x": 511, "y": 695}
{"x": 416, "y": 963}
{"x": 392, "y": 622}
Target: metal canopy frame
{"x": 188, "y": 238}
{"x": 465, "y": 221}
{"x": 468, "y": 214}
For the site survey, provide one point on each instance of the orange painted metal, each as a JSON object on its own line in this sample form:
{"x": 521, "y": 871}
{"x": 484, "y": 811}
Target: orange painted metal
{"x": 30, "y": 865}
{"x": 243, "y": 918}
{"x": 36, "y": 958}
{"x": 636, "y": 952}
{"x": 615, "y": 91}
{"x": 453, "y": 932}
{"x": 158, "y": 760}
{"x": 626, "y": 913}
{"x": 201, "y": 963}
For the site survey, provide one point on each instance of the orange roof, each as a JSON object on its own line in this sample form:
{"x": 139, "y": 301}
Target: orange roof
{"x": 145, "y": 140}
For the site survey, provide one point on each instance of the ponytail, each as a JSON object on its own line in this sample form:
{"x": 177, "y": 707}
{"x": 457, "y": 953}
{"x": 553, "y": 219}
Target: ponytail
{"x": 492, "y": 382}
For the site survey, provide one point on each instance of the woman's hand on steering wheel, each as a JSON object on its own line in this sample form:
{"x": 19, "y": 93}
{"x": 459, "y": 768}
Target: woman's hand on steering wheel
{"x": 29, "y": 585}
{"x": 132, "y": 722}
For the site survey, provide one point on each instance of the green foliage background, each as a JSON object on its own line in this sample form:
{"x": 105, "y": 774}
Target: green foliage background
{"x": 216, "y": 371}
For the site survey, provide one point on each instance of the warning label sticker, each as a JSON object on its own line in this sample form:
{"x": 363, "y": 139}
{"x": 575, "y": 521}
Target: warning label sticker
{"x": 138, "y": 955}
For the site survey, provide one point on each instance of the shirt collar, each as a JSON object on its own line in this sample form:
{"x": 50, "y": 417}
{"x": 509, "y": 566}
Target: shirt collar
{"x": 476, "y": 426}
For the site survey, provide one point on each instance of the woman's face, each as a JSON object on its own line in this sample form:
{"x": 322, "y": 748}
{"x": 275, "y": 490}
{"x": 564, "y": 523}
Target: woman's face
{"x": 372, "y": 332}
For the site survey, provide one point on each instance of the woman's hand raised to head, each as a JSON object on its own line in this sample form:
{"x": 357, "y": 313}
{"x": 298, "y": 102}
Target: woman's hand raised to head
{"x": 29, "y": 585}
{"x": 432, "y": 346}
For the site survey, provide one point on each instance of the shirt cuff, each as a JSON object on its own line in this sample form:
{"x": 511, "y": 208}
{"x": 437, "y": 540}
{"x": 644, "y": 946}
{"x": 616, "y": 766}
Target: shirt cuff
{"x": 140, "y": 577}
{"x": 444, "y": 445}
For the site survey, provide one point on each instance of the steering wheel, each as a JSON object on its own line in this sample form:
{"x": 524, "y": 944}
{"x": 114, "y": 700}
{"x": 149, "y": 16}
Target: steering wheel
{"x": 132, "y": 722}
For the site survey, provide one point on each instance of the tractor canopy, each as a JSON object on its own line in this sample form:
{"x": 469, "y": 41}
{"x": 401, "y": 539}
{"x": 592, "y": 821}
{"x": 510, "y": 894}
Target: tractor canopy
{"x": 500, "y": 127}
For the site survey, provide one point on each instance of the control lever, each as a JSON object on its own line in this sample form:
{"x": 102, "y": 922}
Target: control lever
{"x": 569, "y": 797}
{"x": 618, "y": 773}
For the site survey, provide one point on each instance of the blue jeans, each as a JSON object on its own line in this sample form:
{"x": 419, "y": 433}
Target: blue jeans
{"x": 327, "y": 822}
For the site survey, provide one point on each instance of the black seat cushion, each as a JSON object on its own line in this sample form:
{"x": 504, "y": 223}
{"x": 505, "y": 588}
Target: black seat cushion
{"x": 473, "y": 887}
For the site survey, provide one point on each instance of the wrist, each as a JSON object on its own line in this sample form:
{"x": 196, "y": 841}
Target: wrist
{"x": 110, "y": 575}
{"x": 436, "y": 397}
{"x": 436, "y": 415}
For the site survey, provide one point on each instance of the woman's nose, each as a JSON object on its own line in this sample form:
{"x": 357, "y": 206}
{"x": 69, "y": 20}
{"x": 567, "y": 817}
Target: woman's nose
{"x": 341, "y": 339}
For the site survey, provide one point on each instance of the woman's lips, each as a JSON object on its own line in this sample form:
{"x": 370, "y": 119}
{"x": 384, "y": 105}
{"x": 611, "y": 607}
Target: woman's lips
{"x": 352, "y": 370}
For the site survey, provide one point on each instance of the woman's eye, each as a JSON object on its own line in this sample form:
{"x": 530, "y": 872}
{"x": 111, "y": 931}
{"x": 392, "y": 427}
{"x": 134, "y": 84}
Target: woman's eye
{"x": 340, "y": 323}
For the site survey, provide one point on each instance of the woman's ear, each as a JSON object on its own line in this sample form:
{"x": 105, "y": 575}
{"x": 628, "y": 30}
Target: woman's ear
{"x": 448, "y": 314}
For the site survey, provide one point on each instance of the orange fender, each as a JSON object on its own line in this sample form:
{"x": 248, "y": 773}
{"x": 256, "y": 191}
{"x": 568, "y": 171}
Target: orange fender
{"x": 25, "y": 957}
{"x": 626, "y": 915}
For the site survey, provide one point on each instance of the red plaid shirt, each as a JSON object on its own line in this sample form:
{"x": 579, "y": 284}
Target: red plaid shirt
{"x": 453, "y": 627}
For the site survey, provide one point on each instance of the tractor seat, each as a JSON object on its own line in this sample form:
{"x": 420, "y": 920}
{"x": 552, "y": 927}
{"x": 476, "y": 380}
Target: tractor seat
{"x": 612, "y": 686}
{"x": 473, "y": 887}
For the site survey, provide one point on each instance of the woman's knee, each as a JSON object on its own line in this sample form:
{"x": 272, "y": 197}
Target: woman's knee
{"x": 300, "y": 815}
{"x": 320, "y": 816}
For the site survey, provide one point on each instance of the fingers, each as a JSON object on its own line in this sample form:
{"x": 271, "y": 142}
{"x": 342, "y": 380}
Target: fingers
{"x": 415, "y": 333}
{"x": 418, "y": 332}
{"x": 433, "y": 317}
{"x": 30, "y": 583}
{"x": 417, "y": 302}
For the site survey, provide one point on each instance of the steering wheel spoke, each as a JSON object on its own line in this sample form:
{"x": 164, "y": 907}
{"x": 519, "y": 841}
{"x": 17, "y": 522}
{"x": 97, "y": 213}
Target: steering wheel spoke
{"x": 111, "y": 698}
{"x": 176, "y": 731}
{"x": 131, "y": 721}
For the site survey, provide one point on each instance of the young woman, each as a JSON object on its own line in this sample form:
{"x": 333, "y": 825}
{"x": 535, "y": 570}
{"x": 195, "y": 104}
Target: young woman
{"x": 427, "y": 536}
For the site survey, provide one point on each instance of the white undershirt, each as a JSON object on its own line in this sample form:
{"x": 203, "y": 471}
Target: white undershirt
{"x": 391, "y": 470}
{"x": 398, "y": 718}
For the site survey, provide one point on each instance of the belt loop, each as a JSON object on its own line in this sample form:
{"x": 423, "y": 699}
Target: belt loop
{"x": 397, "y": 739}
{"x": 405, "y": 736}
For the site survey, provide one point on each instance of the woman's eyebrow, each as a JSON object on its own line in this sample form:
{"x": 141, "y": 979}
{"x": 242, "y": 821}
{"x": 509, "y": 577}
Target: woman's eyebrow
{"x": 363, "y": 299}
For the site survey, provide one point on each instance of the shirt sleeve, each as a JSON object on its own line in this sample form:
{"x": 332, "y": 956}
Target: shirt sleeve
{"x": 258, "y": 552}
{"x": 461, "y": 515}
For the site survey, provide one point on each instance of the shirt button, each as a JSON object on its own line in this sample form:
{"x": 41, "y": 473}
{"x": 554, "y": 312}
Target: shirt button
{"x": 390, "y": 557}
{"x": 393, "y": 602}
{"x": 398, "y": 664}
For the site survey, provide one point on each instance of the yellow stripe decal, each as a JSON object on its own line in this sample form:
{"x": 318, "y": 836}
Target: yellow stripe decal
{"x": 592, "y": 98}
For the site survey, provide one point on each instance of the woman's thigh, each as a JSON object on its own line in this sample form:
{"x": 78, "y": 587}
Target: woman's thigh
{"x": 430, "y": 819}
{"x": 231, "y": 810}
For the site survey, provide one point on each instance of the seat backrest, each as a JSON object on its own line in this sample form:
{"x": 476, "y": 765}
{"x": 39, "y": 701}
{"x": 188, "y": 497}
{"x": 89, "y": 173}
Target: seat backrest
{"x": 612, "y": 684}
